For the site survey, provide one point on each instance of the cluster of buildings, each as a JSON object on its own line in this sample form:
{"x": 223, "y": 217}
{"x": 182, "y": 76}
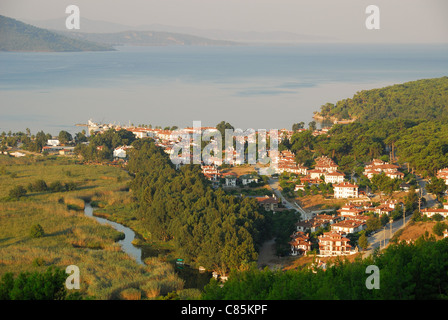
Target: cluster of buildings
{"x": 285, "y": 162}
{"x": 54, "y": 147}
{"x": 212, "y": 173}
{"x": 350, "y": 219}
{"x": 443, "y": 174}
{"x": 378, "y": 166}
{"x": 326, "y": 170}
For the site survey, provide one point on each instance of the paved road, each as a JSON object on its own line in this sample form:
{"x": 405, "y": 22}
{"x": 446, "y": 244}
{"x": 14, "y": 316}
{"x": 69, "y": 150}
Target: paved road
{"x": 431, "y": 200}
{"x": 382, "y": 237}
{"x": 274, "y": 184}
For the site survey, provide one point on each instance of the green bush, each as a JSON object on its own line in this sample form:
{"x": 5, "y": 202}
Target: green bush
{"x": 439, "y": 227}
{"x": 17, "y": 192}
{"x": 34, "y": 286}
{"x": 37, "y": 231}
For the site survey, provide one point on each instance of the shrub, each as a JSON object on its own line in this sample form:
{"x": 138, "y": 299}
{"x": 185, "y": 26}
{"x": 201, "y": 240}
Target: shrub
{"x": 56, "y": 187}
{"x": 439, "y": 227}
{"x": 131, "y": 294}
{"x": 36, "y": 231}
{"x": 34, "y": 286}
{"x": 38, "y": 186}
{"x": 17, "y": 192}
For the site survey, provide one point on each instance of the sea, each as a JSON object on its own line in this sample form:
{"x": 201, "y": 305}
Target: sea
{"x": 256, "y": 86}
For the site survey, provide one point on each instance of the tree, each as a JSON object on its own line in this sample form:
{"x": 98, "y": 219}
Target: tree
{"x": 363, "y": 242}
{"x": 49, "y": 285}
{"x": 64, "y": 137}
{"x": 36, "y": 231}
{"x": 38, "y": 186}
{"x": 439, "y": 227}
{"x": 80, "y": 137}
{"x": 312, "y": 125}
{"x": 17, "y": 192}
{"x": 222, "y": 126}
{"x": 297, "y": 126}
{"x": 436, "y": 186}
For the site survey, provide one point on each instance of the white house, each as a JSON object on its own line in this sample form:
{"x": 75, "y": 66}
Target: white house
{"x": 334, "y": 177}
{"x": 230, "y": 179}
{"x": 429, "y": 212}
{"x": 248, "y": 178}
{"x": 17, "y": 154}
{"x": 120, "y": 152}
{"x": 345, "y": 190}
{"x": 53, "y": 142}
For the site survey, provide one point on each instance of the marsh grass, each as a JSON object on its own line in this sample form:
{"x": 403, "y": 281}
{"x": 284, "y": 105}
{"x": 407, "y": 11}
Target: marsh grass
{"x": 70, "y": 237}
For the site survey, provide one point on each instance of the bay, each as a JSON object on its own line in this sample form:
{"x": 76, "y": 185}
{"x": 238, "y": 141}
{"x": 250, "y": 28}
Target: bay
{"x": 260, "y": 87}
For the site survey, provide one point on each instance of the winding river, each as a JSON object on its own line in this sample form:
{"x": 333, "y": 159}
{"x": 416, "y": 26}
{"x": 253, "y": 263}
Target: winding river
{"x": 192, "y": 277}
{"x": 129, "y": 235}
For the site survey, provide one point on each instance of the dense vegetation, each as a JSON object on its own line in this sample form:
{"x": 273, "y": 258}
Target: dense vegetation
{"x": 421, "y": 99}
{"x": 208, "y": 227}
{"x": 421, "y": 145}
{"x": 49, "y": 285}
{"x": 101, "y": 146}
{"x": 406, "y": 271}
{"x": 18, "y": 36}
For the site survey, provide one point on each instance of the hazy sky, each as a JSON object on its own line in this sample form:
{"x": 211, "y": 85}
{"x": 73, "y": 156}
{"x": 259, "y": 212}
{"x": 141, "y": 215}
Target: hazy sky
{"x": 344, "y": 20}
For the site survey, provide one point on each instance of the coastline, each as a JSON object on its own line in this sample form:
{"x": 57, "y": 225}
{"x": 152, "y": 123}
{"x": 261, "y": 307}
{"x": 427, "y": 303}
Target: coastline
{"x": 317, "y": 116}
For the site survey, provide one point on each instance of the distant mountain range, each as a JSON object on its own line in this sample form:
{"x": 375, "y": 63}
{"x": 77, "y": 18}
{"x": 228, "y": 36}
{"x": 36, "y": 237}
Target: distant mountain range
{"x": 146, "y": 38}
{"x": 18, "y": 36}
{"x": 102, "y": 36}
{"x": 94, "y": 26}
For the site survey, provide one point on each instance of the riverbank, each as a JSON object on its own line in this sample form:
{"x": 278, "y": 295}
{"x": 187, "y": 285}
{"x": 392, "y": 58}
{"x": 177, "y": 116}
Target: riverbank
{"x": 71, "y": 238}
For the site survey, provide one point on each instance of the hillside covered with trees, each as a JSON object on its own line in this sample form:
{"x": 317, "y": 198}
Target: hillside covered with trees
{"x": 419, "y": 145}
{"x": 421, "y": 99}
{"x": 209, "y": 228}
{"x": 18, "y": 36}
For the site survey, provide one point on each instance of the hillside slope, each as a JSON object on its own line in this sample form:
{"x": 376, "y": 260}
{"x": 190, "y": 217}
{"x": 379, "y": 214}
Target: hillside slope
{"x": 421, "y": 99}
{"x": 18, "y": 36}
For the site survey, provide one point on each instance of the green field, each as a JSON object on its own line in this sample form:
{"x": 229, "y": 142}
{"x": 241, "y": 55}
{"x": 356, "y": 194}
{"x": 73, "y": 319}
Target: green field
{"x": 70, "y": 237}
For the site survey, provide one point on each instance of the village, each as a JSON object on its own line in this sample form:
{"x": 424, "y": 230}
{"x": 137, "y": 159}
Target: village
{"x": 326, "y": 228}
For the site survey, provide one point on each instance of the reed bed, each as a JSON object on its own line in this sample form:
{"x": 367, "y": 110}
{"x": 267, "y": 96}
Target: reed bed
{"x": 70, "y": 237}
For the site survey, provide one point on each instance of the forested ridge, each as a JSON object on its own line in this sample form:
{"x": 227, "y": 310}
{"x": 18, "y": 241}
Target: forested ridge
{"x": 420, "y": 99}
{"x": 419, "y": 145}
{"x": 18, "y": 36}
{"x": 209, "y": 227}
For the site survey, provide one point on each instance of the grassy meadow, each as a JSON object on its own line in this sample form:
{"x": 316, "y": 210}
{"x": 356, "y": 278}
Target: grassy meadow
{"x": 106, "y": 272}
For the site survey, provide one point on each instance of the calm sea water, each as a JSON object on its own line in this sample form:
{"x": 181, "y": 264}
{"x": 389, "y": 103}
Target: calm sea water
{"x": 258, "y": 87}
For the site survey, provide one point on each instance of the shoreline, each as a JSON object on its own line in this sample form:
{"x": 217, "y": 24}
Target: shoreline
{"x": 317, "y": 116}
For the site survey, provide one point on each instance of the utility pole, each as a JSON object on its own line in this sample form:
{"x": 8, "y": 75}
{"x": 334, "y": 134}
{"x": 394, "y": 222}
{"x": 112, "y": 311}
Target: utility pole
{"x": 419, "y": 204}
{"x": 391, "y": 221}
{"x": 404, "y": 215}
